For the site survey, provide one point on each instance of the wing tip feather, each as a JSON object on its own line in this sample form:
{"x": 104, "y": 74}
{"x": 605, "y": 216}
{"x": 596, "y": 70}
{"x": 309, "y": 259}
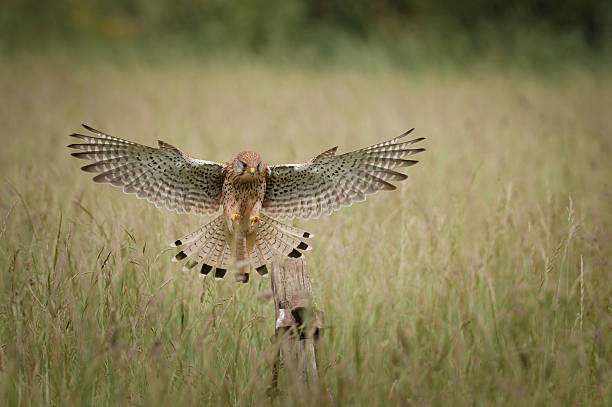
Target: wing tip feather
{"x": 100, "y": 178}
{"x": 406, "y": 133}
{"x": 86, "y": 127}
{"x": 76, "y": 135}
{"x": 89, "y": 167}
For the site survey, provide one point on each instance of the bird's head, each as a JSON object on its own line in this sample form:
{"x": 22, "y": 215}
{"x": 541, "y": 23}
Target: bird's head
{"x": 248, "y": 166}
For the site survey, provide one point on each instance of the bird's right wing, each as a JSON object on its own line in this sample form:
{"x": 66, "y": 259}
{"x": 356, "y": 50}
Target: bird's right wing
{"x": 164, "y": 176}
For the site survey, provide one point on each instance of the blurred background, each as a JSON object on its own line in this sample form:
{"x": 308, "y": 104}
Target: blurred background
{"x": 484, "y": 280}
{"x": 406, "y": 33}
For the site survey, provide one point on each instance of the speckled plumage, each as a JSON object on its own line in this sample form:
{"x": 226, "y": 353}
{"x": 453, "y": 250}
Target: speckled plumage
{"x": 251, "y": 193}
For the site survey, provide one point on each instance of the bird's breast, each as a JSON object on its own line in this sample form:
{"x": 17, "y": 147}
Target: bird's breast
{"x": 244, "y": 194}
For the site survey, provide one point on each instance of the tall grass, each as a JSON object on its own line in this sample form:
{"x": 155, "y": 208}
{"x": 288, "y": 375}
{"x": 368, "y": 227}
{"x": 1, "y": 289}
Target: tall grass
{"x": 484, "y": 280}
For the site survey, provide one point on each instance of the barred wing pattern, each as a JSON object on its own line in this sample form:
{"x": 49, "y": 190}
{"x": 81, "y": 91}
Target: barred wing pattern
{"x": 329, "y": 181}
{"x": 164, "y": 176}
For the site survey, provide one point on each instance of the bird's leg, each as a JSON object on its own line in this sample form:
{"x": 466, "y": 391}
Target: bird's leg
{"x": 254, "y": 218}
{"x": 233, "y": 217}
{"x": 235, "y": 221}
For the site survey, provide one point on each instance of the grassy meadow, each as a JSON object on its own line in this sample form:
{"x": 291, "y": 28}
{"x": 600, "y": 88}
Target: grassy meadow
{"x": 485, "y": 279}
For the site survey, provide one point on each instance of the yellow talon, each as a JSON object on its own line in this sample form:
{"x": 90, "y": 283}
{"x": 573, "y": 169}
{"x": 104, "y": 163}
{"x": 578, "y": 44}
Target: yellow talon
{"x": 254, "y": 220}
{"x": 235, "y": 216}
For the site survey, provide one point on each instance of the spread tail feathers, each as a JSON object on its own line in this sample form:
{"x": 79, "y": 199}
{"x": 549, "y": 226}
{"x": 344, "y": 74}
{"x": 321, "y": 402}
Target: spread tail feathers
{"x": 212, "y": 247}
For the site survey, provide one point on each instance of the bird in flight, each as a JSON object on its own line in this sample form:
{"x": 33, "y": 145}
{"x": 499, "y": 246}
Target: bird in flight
{"x": 254, "y": 196}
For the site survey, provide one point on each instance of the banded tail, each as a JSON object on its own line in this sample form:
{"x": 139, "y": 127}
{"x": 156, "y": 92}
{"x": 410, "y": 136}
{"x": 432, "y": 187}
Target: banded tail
{"x": 213, "y": 247}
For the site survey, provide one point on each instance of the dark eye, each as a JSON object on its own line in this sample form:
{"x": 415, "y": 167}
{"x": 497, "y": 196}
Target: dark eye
{"x": 244, "y": 165}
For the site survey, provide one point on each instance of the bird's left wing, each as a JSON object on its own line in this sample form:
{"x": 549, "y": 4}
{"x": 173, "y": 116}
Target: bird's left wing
{"x": 164, "y": 176}
{"x": 329, "y": 181}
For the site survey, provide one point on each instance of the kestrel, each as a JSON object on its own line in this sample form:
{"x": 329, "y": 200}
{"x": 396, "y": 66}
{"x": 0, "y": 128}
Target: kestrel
{"x": 254, "y": 195}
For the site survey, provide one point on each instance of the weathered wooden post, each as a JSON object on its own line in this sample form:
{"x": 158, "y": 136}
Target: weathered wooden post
{"x": 298, "y": 326}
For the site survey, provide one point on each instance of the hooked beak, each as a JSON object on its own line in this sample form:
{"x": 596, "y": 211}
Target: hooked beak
{"x": 252, "y": 171}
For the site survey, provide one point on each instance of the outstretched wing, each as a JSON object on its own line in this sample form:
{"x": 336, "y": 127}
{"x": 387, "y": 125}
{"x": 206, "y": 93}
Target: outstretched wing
{"x": 328, "y": 181}
{"x": 164, "y": 176}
